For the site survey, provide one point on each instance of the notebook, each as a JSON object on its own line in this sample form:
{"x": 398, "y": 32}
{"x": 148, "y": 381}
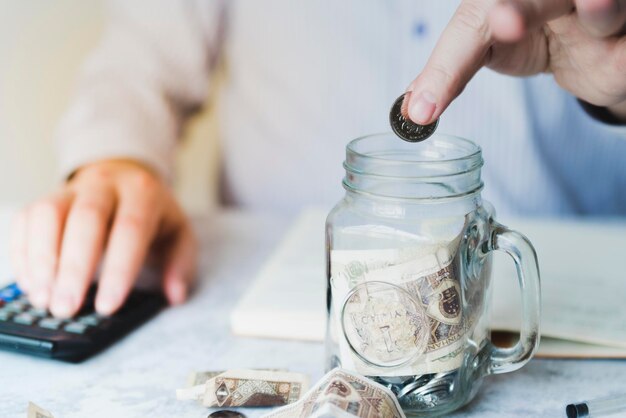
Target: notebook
{"x": 583, "y": 272}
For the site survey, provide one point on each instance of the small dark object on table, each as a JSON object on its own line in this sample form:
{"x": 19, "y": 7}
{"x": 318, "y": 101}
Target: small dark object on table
{"x": 224, "y": 413}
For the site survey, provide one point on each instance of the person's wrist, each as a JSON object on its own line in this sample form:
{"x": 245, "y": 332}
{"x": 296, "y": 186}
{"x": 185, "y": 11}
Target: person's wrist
{"x": 116, "y": 164}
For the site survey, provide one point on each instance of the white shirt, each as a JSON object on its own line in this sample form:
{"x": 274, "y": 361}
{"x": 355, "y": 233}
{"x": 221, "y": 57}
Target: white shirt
{"x": 304, "y": 78}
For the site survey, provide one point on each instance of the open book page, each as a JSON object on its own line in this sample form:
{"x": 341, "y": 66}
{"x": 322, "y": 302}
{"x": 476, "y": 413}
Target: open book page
{"x": 558, "y": 348}
{"x": 288, "y": 297}
{"x": 582, "y": 280}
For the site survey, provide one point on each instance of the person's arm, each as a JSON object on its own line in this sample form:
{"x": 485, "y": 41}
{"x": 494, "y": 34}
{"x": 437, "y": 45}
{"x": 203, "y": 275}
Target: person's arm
{"x": 581, "y": 42}
{"x": 150, "y": 70}
{"x": 116, "y": 150}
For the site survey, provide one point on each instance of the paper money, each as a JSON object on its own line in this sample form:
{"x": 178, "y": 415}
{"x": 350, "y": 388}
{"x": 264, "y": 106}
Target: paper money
{"x": 386, "y": 304}
{"x": 234, "y": 388}
{"x": 343, "y": 394}
{"x": 352, "y": 265}
{"x": 35, "y": 411}
{"x": 198, "y": 378}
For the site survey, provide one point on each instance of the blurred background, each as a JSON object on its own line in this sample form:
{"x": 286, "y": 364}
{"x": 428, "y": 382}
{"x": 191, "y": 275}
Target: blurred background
{"x": 42, "y": 45}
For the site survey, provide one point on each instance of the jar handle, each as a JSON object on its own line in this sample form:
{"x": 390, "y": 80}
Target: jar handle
{"x": 516, "y": 245}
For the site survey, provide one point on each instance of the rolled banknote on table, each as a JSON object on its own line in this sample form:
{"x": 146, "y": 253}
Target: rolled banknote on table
{"x": 35, "y": 411}
{"x": 235, "y": 388}
{"x": 343, "y": 394}
{"x": 198, "y": 378}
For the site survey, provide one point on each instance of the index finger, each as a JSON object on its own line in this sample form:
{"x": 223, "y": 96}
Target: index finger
{"x": 460, "y": 52}
{"x": 463, "y": 48}
{"x": 134, "y": 227}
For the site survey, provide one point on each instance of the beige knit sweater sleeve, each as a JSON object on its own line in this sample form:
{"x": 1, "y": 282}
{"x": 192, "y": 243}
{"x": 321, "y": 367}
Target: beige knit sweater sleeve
{"x": 149, "y": 72}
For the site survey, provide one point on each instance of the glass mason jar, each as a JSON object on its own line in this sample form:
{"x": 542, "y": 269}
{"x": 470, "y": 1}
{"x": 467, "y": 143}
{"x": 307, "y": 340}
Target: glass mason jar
{"x": 408, "y": 267}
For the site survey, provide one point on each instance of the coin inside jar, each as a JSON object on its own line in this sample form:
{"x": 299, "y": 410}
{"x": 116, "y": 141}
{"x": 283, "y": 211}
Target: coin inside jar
{"x": 404, "y": 127}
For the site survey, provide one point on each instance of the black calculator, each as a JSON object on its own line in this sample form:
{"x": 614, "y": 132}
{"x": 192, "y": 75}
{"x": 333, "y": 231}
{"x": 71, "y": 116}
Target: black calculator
{"x": 26, "y": 329}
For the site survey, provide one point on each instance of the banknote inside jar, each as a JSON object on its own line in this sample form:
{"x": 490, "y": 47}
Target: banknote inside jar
{"x": 399, "y": 310}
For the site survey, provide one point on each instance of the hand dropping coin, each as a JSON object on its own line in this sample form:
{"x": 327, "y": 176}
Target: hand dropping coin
{"x": 404, "y": 127}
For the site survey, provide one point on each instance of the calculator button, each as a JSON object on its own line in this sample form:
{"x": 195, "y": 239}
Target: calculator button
{"x": 76, "y": 328}
{"x": 5, "y": 315}
{"x": 16, "y": 306}
{"x": 92, "y": 320}
{"x": 38, "y": 312}
{"x": 50, "y": 323}
{"x": 24, "y": 319}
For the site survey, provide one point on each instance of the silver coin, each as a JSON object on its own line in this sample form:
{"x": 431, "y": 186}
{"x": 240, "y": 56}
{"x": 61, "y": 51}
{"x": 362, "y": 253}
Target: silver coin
{"x": 409, "y": 389}
{"x": 226, "y": 414}
{"x": 405, "y": 128}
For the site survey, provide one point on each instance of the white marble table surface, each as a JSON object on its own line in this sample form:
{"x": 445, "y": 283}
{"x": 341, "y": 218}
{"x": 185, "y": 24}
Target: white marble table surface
{"x": 137, "y": 377}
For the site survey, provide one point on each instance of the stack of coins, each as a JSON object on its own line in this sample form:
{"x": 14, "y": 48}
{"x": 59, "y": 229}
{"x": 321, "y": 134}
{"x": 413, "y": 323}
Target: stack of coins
{"x": 404, "y": 127}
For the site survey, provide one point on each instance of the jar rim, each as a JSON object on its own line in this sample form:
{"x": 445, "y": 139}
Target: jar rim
{"x": 476, "y": 150}
{"x": 442, "y": 167}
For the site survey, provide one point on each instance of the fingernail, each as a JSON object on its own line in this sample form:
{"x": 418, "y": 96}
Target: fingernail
{"x": 39, "y": 298}
{"x": 423, "y": 108}
{"x": 178, "y": 292}
{"x": 404, "y": 109}
{"x": 105, "y": 303}
{"x": 62, "y": 305}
